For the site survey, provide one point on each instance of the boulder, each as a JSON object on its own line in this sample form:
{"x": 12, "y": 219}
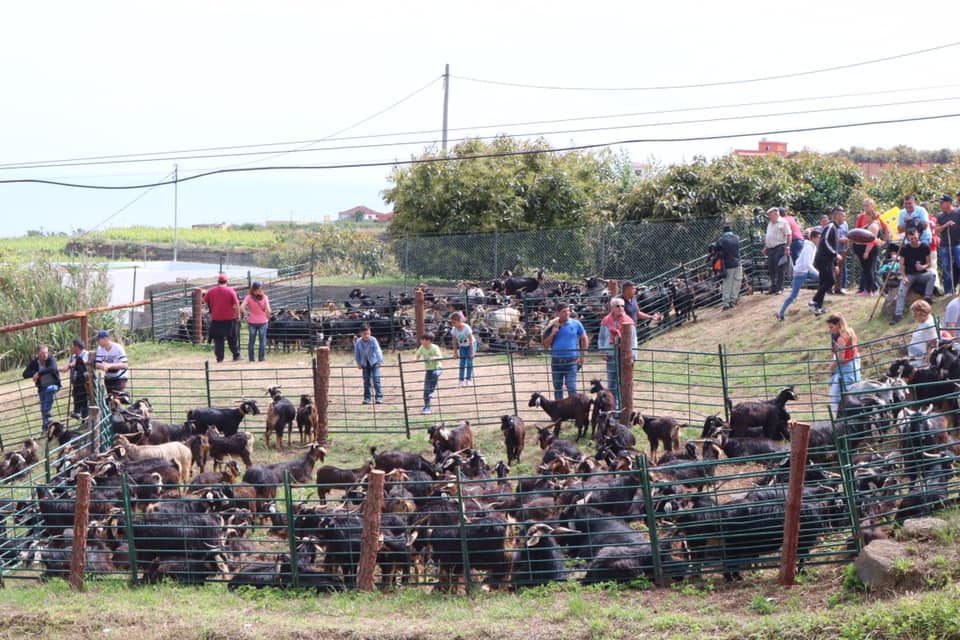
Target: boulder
{"x": 922, "y": 528}
{"x": 890, "y": 304}
{"x": 875, "y": 564}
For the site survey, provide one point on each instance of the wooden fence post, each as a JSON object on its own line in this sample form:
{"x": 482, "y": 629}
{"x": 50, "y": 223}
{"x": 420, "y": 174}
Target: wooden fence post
{"x": 321, "y": 391}
{"x": 799, "y": 439}
{"x": 626, "y": 372}
{"x": 84, "y": 329}
{"x": 197, "y": 329}
{"x": 78, "y": 557}
{"x": 418, "y": 312}
{"x": 370, "y": 542}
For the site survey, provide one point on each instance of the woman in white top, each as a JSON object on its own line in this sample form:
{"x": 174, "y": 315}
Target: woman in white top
{"x": 924, "y": 338}
{"x": 802, "y": 266}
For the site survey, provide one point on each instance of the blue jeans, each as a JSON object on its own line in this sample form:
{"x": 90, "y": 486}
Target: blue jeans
{"x": 613, "y": 377}
{"x": 564, "y": 371}
{"x": 798, "y": 280}
{"x": 846, "y": 374}
{"x": 430, "y": 380}
{"x": 47, "y": 394}
{"x": 371, "y": 378}
{"x": 466, "y": 363}
{"x": 257, "y": 330}
{"x": 947, "y": 266}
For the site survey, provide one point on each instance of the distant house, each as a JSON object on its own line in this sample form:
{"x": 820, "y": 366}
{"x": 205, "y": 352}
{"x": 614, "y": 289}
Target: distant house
{"x": 764, "y": 148}
{"x": 369, "y": 215}
{"x": 223, "y": 226}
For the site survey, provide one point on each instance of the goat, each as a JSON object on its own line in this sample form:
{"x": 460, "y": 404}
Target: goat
{"x": 576, "y": 408}
{"x": 514, "y": 434}
{"x": 658, "y": 430}
{"x": 239, "y": 444}
{"x": 330, "y": 477}
{"x": 928, "y": 384}
{"x": 446, "y": 440}
{"x": 770, "y": 415}
{"x": 281, "y": 413}
{"x": 229, "y": 475}
{"x": 227, "y": 420}
{"x": 57, "y": 431}
{"x": 265, "y": 478}
{"x": 603, "y": 402}
{"x": 308, "y": 419}
{"x": 390, "y": 460}
{"x": 553, "y": 446}
{"x": 171, "y": 452}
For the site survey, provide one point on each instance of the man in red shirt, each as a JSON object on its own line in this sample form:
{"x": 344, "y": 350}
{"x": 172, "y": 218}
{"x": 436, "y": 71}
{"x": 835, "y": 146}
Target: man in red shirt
{"x": 224, "y": 311}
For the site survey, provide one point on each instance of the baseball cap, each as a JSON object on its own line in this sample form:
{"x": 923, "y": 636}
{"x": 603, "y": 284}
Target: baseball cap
{"x": 222, "y": 277}
{"x": 257, "y": 285}
{"x": 946, "y": 198}
{"x": 627, "y": 283}
{"x": 103, "y": 333}
{"x": 727, "y": 227}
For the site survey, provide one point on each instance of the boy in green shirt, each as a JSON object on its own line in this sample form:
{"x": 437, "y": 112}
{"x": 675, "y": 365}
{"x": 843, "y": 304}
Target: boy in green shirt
{"x": 431, "y": 357}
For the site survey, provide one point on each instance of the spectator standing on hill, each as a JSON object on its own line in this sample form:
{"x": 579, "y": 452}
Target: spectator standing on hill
{"x": 796, "y": 234}
{"x": 111, "y": 358}
{"x": 801, "y": 269}
{"x": 914, "y": 270}
{"x": 867, "y": 253}
{"x": 224, "y": 311}
{"x": 840, "y": 280}
{"x": 567, "y": 340}
{"x": 825, "y": 259}
{"x": 78, "y": 379}
{"x": 728, "y": 246}
{"x": 947, "y": 227}
{"x": 369, "y": 358}
{"x": 46, "y": 376}
{"x": 256, "y": 306}
{"x": 776, "y": 246}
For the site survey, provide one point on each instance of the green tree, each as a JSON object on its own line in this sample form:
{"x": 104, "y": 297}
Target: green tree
{"x": 506, "y": 185}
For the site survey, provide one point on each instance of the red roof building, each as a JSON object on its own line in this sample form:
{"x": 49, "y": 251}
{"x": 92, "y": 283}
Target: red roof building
{"x": 765, "y": 147}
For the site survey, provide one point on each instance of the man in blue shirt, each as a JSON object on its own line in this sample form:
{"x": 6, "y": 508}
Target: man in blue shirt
{"x": 567, "y": 340}
{"x": 913, "y": 216}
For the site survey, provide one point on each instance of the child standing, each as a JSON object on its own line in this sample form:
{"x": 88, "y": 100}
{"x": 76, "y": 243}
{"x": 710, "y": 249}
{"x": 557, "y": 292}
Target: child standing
{"x": 368, "y": 356}
{"x": 464, "y": 348}
{"x": 430, "y": 353}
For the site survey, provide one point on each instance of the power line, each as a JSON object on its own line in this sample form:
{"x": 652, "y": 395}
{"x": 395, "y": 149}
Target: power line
{"x": 167, "y": 156}
{"x": 582, "y": 147}
{"x": 721, "y": 83}
{"x": 127, "y": 205}
{"x": 386, "y": 145}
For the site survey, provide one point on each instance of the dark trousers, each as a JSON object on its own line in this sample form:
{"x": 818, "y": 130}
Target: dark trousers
{"x": 868, "y": 270}
{"x": 826, "y": 280}
{"x": 80, "y": 401}
{"x": 775, "y": 269}
{"x": 224, "y": 329}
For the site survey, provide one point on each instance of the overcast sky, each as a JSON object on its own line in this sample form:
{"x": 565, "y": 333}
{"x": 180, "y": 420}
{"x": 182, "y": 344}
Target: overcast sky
{"x": 92, "y": 79}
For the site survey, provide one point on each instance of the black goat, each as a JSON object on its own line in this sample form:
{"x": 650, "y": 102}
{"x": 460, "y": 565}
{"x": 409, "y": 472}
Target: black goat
{"x": 929, "y": 385}
{"x": 281, "y": 413}
{"x": 770, "y": 416}
{"x": 266, "y": 478}
{"x": 390, "y": 460}
{"x": 308, "y": 420}
{"x": 602, "y": 403}
{"x": 664, "y": 430}
{"x": 227, "y": 420}
{"x": 514, "y": 435}
{"x": 239, "y": 444}
{"x": 539, "y": 560}
{"x": 553, "y": 446}
{"x": 509, "y": 285}
{"x": 576, "y": 408}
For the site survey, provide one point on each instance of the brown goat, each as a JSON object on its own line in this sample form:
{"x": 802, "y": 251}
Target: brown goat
{"x": 330, "y": 477}
{"x": 514, "y": 435}
{"x": 308, "y": 420}
{"x": 445, "y": 440}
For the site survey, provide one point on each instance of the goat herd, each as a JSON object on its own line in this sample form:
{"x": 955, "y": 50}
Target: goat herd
{"x": 450, "y": 517}
{"x": 505, "y": 316}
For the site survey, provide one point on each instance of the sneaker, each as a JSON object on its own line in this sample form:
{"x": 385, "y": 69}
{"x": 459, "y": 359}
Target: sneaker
{"x": 819, "y": 311}
{"x": 468, "y": 383}
{"x": 433, "y": 394}
{"x": 425, "y": 411}
{"x": 379, "y": 400}
{"x": 840, "y": 292}
{"x": 366, "y": 402}
{"x": 76, "y": 415}
{"x": 863, "y": 294}
{"x": 812, "y": 304}
{"x": 779, "y": 317}
{"x": 895, "y": 320}
{"x": 461, "y": 385}
{"x": 236, "y": 358}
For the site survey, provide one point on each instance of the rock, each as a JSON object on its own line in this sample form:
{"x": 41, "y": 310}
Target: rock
{"x": 924, "y": 528}
{"x": 875, "y": 564}
{"x": 890, "y": 304}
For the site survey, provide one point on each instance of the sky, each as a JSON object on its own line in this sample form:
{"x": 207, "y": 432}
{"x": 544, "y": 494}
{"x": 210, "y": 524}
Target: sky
{"x": 331, "y": 84}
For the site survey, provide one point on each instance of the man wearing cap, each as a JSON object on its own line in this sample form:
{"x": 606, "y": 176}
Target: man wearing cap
{"x": 729, "y": 248}
{"x": 776, "y": 246}
{"x": 948, "y": 226}
{"x": 43, "y": 370}
{"x": 224, "y": 312}
{"x": 111, "y": 358}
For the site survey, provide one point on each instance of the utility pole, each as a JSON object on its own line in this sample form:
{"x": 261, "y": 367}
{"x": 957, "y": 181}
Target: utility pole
{"x": 446, "y": 102}
{"x": 175, "y": 199}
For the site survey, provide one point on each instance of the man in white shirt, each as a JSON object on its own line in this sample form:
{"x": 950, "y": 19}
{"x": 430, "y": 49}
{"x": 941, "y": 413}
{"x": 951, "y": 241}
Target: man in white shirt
{"x": 776, "y": 246}
{"x": 112, "y": 361}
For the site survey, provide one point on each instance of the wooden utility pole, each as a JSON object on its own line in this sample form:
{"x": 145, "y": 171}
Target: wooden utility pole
{"x": 446, "y": 104}
{"x": 370, "y": 540}
{"x": 799, "y": 439}
{"x": 321, "y": 389}
{"x": 81, "y": 516}
{"x": 626, "y": 372}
